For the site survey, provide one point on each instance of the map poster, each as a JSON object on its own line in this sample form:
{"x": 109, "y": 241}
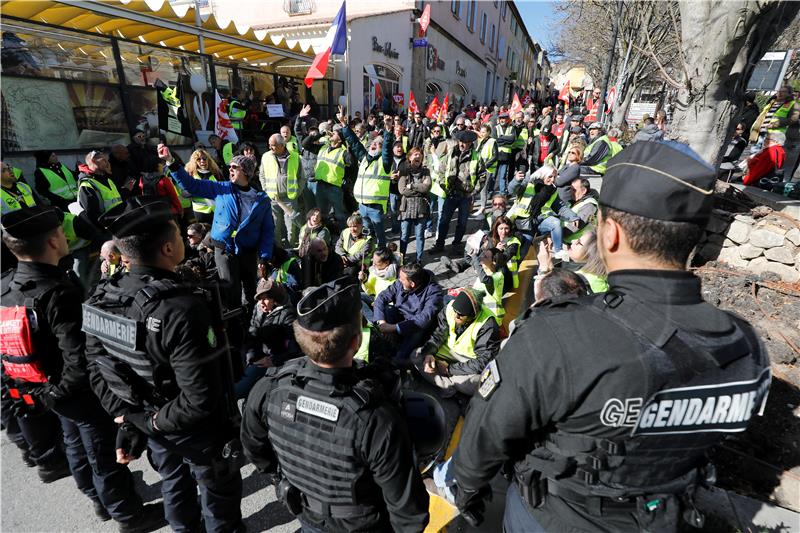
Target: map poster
{"x": 38, "y": 115}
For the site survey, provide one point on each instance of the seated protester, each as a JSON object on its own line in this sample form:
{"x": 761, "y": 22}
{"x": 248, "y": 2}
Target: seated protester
{"x": 470, "y": 252}
{"x": 466, "y": 339}
{"x": 271, "y": 340}
{"x": 195, "y": 233}
{"x": 204, "y": 263}
{"x": 320, "y": 265}
{"x": 407, "y": 309}
{"x": 583, "y": 253}
{"x": 558, "y": 283}
{"x": 314, "y": 228}
{"x": 354, "y": 246}
{"x": 493, "y": 280}
{"x": 533, "y": 194}
{"x": 553, "y": 217}
{"x": 765, "y": 163}
{"x": 584, "y": 206}
{"x": 284, "y": 268}
{"x": 509, "y": 246}
{"x": 111, "y": 260}
{"x": 499, "y": 208}
{"x": 734, "y": 149}
{"x": 381, "y": 274}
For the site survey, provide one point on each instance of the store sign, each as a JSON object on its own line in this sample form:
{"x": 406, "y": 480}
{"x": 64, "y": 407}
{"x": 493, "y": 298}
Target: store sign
{"x": 460, "y": 71}
{"x": 385, "y": 48}
{"x": 420, "y": 43}
{"x": 434, "y": 61}
{"x": 399, "y": 99}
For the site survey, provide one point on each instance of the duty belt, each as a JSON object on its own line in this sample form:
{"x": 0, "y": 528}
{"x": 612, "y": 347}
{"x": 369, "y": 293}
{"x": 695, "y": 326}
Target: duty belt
{"x": 335, "y": 510}
{"x": 595, "y": 505}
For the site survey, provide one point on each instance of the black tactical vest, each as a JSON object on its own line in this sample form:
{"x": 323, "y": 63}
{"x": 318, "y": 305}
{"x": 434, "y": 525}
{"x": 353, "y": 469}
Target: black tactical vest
{"x": 315, "y": 429}
{"x": 117, "y": 317}
{"x": 702, "y": 389}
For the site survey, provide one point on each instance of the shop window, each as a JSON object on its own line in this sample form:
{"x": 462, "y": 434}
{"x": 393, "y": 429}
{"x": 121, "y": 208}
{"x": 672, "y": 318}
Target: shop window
{"x": 380, "y": 83}
{"x": 45, "y": 52}
{"x": 471, "y": 15}
{"x": 431, "y": 90}
{"x": 483, "y": 28}
{"x": 224, "y": 77}
{"x": 40, "y": 114}
{"x": 144, "y": 64}
{"x": 256, "y": 84}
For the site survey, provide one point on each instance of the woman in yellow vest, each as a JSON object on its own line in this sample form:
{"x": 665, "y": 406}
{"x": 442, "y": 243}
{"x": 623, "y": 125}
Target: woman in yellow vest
{"x": 355, "y": 246}
{"x": 381, "y": 274}
{"x": 201, "y": 166}
{"x": 584, "y": 253}
{"x": 493, "y": 280}
{"x": 465, "y": 340}
{"x": 506, "y": 241}
{"x": 54, "y": 180}
{"x": 15, "y": 193}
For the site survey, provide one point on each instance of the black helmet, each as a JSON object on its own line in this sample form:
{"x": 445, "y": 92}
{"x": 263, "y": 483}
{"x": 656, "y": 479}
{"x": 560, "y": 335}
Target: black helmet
{"x": 427, "y": 425}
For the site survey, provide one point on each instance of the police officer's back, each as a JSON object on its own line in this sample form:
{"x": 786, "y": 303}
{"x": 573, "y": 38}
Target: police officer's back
{"x": 341, "y": 447}
{"x": 607, "y": 405}
{"x": 156, "y": 366}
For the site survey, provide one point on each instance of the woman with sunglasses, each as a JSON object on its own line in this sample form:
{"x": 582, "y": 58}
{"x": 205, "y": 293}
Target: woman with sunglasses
{"x": 242, "y": 230}
{"x": 201, "y": 166}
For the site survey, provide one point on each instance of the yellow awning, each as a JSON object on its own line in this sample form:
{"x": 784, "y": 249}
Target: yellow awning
{"x": 157, "y": 23}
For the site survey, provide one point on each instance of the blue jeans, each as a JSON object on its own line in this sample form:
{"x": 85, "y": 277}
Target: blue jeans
{"x": 419, "y": 232}
{"x": 186, "y": 463}
{"x": 437, "y": 205}
{"x": 89, "y": 439}
{"x": 517, "y": 518}
{"x": 331, "y": 197}
{"x": 503, "y": 169}
{"x": 394, "y": 207}
{"x": 450, "y": 206}
{"x": 373, "y": 220}
{"x": 552, "y": 225}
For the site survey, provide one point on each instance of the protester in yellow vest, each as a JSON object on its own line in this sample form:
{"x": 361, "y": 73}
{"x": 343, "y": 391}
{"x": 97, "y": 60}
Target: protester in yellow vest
{"x": 54, "y": 180}
{"x": 225, "y": 151}
{"x": 202, "y": 166}
{"x": 97, "y": 192}
{"x": 281, "y": 176}
{"x": 505, "y": 240}
{"x": 465, "y": 341}
{"x": 111, "y": 260}
{"x": 487, "y": 152}
{"x": 381, "y": 274}
{"x": 435, "y": 149}
{"x": 15, "y": 193}
{"x": 332, "y": 159}
{"x": 584, "y": 253}
{"x": 600, "y": 150}
{"x": 290, "y": 140}
{"x": 493, "y": 280}
{"x": 355, "y": 246}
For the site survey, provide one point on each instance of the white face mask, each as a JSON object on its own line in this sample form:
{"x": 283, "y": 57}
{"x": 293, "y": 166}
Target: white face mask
{"x": 374, "y": 151}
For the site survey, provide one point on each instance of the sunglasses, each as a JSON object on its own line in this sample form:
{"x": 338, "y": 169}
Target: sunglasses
{"x": 498, "y": 204}
{"x": 202, "y": 158}
{"x": 233, "y": 167}
{"x": 461, "y": 125}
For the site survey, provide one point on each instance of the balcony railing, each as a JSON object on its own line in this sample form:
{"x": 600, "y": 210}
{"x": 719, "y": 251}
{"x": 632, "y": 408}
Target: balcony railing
{"x": 299, "y": 7}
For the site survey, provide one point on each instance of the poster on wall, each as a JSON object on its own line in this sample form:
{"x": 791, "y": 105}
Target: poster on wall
{"x": 171, "y": 114}
{"x": 98, "y": 114}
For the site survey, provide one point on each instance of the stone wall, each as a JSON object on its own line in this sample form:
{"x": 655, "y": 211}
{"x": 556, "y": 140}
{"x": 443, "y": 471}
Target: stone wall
{"x": 760, "y": 241}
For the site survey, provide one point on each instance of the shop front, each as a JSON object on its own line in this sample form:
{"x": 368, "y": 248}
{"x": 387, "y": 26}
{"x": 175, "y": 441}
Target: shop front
{"x": 450, "y": 69}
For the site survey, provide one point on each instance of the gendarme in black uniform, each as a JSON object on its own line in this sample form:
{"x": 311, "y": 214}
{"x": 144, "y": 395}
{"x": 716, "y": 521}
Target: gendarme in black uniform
{"x": 606, "y": 405}
{"x": 343, "y": 449}
{"x": 55, "y": 374}
{"x": 154, "y": 360}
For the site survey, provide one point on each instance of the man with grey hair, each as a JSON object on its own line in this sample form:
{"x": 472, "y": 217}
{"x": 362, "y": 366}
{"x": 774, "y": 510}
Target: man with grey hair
{"x": 280, "y": 175}
{"x": 768, "y": 161}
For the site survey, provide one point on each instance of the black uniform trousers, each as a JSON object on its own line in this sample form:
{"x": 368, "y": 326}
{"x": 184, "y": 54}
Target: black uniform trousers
{"x": 186, "y": 463}
{"x": 90, "y": 441}
{"x": 39, "y": 435}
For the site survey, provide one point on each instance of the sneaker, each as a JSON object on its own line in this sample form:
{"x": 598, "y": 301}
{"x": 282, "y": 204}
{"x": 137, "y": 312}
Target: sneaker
{"x": 429, "y": 234}
{"x": 54, "y": 472}
{"x": 100, "y": 511}
{"x": 151, "y": 518}
{"x": 561, "y": 255}
{"x": 26, "y": 459}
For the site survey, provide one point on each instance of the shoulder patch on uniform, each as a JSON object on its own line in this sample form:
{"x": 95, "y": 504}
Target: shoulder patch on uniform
{"x": 118, "y": 330}
{"x": 313, "y": 407}
{"x": 490, "y": 380}
{"x": 287, "y": 411}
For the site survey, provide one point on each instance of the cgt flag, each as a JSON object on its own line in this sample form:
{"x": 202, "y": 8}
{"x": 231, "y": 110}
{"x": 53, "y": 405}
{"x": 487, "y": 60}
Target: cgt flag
{"x": 442, "y": 115}
{"x": 526, "y": 99}
{"x": 563, "y": 95}
{"x": 412, "y": 104}
{"x": 516, "y": 105}
{"x": 433, "y": 108}
{"x": 335, "y": 44}
{"x": 222, "y": 122}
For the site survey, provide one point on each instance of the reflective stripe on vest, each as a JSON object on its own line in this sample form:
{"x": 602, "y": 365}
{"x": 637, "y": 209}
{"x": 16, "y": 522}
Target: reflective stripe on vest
{"x": 330, "y": 165}
{"x": 11, "y": 202}
{"x": 109, "y": 195}
{"x": 513, "y": 262}
{"x": 493, "y": 301}
{"x": 499, "y": 132}
{"x": 486, "y": 149}
{"x": 66, "y": 187}
{"x": 203, "y": 205}
{"x": 74, "y": 242}
{"x": 352, "y": 247}
{"x": 272, "y": 171}
{"x": 464, "y": 344}
{"x": 372, "y": 184}
{"x": 283, "y": 271}
{"x": 613, "y": 149}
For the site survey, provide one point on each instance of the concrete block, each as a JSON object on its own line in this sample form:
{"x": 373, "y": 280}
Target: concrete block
{"x": 780, "y": 254}
{"x": 764, "y": 238}
{"x": 748, "y": 251}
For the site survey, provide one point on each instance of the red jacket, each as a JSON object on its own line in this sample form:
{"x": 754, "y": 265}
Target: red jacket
{"x": 764, "y": 163}
{"x": 166, "y": 189}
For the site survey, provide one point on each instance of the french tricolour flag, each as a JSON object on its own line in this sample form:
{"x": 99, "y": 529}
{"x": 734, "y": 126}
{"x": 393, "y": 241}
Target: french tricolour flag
{"x": 336, "y": 44}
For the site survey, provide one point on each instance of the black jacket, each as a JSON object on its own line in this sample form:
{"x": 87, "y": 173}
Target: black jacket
{"x": 178, "y": 341}
{"x": 272, "y": 335}
{"x": 487, "y": 344}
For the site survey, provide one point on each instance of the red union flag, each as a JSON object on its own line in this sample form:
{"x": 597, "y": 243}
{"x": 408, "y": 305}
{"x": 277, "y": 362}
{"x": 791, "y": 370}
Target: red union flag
{"x": 564, "y": 93}
{"x": 443, "y": 110}
{"x": 433, "y": 108}
{"x": 516, "y": 106}
{"x": 412, "y": 104}
{"x": 526, "y": 100}
{"x": 425, "y": 19}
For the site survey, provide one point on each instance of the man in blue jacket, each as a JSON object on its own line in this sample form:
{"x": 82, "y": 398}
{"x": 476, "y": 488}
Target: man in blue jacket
{"x": 406, "y": 311}
{"x": 242, "y": 231}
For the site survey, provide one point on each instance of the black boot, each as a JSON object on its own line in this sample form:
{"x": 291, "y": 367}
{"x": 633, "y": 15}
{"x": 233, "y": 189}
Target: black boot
{"x": 100, "y": 511}
{"x": 152, "y": 518}
{"x": 54, "y": 470}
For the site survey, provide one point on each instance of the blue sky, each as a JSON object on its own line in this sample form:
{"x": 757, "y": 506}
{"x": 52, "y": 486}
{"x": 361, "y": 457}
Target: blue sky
{"x": 539, "y": 19}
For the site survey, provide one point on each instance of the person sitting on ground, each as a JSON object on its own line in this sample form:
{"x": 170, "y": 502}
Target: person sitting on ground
{"x": 509, "y": 246}
{"x": 499, "y": 207}
{"x": 465, "y": 340}
{"x": 381, "y": 274}
{"x": 584, "y": 260}
{"x": 734, "y": 149}
{"x": 406, "y": 311}
{"x": 558, "y": 283}
{"x": 768, "y": 161}
{"x": 320, "y": 264}
{"x": 195, "y": 233}
{"x": 284, "y": 268}
{"x": 584, "y": 207}
{"x": 110, "y": 260}
{"x": 314, "y": 228}
{"x": 493, "y": 280}
{"x": 271, "y": 340}
{"x": 354, "y": 246}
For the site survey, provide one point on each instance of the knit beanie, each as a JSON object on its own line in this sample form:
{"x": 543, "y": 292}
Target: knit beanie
{"x": 247, "y": 165}
{"x": 465, "y": 303}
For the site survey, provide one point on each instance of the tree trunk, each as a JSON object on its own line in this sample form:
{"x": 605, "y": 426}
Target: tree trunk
{"x": 621, "y": 107}
{"x": 717, "y": 65}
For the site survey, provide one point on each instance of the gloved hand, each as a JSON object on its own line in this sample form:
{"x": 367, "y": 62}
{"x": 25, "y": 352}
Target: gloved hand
{"x": 143, "y": 421}
{"x": 130, "y": 440}
{"x": 44, "y": 398}
{"x": 472, "y": 503}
